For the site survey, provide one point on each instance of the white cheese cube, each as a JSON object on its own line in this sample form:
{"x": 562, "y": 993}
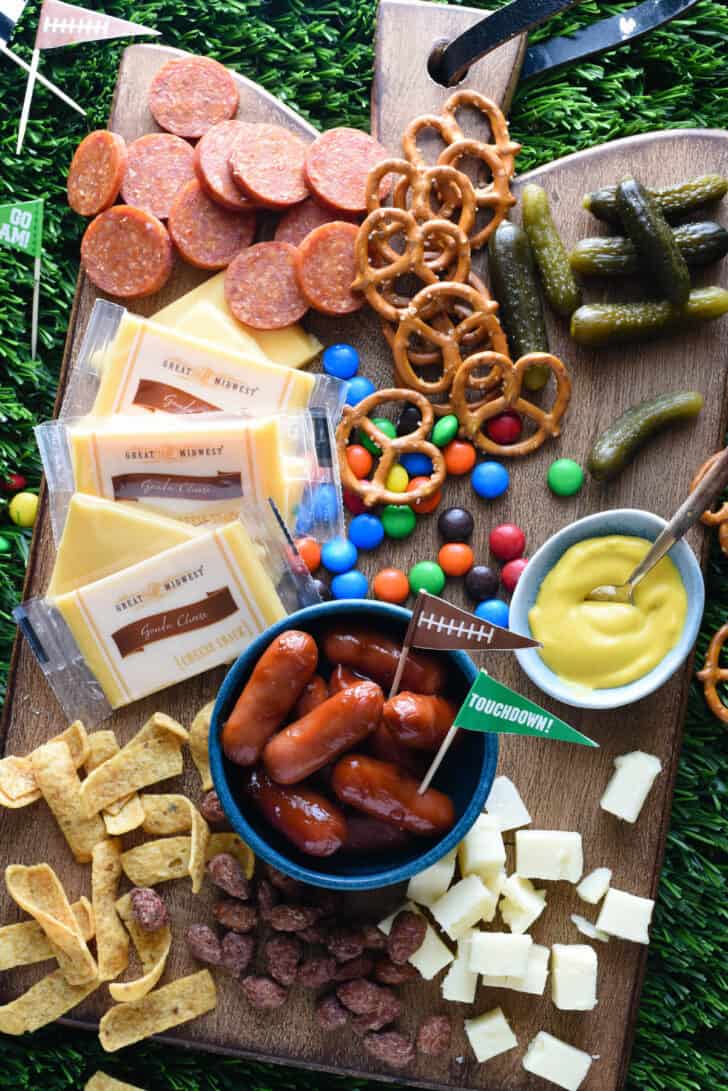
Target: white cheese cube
{"x": 626, "y": 916}
{"x": 549, "y": 854}
{"x": 482, "y": 852}
{"x": 505, "y": 804}
{"x": 534, "y": 980}
{"x": 466, "y": 903}
{"x": 595, "y": 885}
{"x": 588, "y": 929}
{"x": 522, "y": 904}
{"x": 489, "y": 1035}
{"x": 631, "y": 781}
{"x": 573, "y": 976}
{"x": 432, "y": 956}
{"x": 557, "y": 1061}
{"x": 495, "y": 881}
{"x": 499, "y": 954}
{"x": 432, "y": 883}
{"x": 460, "y": 982}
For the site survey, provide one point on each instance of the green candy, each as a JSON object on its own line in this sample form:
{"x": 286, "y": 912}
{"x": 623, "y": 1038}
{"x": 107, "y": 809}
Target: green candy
{"x": 445, "y": 430}
{"x": 565, "y": 477}
{"x": 383, "y": 425}
{"x": 5, "y": 546}
{"x": 398, "y": 520}
{"x": 426, "y": 576}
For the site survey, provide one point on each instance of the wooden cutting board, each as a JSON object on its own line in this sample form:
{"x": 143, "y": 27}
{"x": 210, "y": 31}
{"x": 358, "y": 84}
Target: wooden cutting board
{"x": 560, "y": 784}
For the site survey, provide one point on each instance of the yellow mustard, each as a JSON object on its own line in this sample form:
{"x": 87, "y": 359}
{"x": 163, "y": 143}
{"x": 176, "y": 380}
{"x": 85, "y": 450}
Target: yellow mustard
{"x": 599, "y": 645}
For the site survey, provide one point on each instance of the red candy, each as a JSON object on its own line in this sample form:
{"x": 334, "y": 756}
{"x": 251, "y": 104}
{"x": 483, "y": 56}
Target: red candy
{"x": 14, "y": 483}
{"x": 505, "y": 428}
{"x": 353, "y": 502}
{"x": 427, "y": 503}
{"x": 507, "y": 542}
{"x": 359, "y": 459}
{"x": 310, "y": 552}
{"x": 511, "y": 573}
{"x": 459, "y": 457}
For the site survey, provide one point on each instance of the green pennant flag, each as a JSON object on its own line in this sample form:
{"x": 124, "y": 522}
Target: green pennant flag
{"x": 21, "y": 226}
{"x": 491, "y": 706}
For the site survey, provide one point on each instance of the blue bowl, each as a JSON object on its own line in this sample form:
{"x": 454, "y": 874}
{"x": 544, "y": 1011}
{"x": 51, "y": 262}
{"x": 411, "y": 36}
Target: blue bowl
{"x": 466, "y": 773}
{"x": 628, "y": 521}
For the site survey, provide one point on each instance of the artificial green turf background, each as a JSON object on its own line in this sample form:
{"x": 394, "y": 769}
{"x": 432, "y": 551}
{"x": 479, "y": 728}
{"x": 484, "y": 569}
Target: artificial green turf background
{"x": 317, "y": 55}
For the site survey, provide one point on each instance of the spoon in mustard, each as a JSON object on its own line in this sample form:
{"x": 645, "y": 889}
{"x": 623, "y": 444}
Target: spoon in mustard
{"x": 687, "y": 514}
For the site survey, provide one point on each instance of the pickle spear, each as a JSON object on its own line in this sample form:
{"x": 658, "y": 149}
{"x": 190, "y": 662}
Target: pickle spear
{"x": 618, "y": 444}
{"x": 600, "y": 324}
{"x": 557, "y": 277}
{"x": 675, "y": 201}
{"x": 650, "y": 232}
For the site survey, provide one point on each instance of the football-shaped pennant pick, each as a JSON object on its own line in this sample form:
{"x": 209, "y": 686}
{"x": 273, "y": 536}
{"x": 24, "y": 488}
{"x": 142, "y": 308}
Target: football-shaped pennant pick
{"x": 439, "y": 625}
{"x": 67, "y": 24}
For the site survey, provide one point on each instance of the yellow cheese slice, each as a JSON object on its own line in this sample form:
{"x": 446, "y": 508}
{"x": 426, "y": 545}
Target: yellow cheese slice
{"x": 101, "y": 537}
{"x": 204, "y": 312}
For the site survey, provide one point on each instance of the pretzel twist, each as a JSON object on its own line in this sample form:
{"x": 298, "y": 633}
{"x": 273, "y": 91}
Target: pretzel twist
{"x": 712, "y": 674}
{"x": 710, "y": 518}
{"x": 495, "y": 195}
{"x": 502, "y": 145}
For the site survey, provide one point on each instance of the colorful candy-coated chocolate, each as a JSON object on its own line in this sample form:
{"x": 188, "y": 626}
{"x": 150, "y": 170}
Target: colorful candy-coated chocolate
{"x": 391, "y": 585}
{"x": 416, "y": 464}
{"x": 339, "y": 555}
{"x": 493, "y": 610}
{"x": 384, "y": 425}
{"x": 445, "y": 430}
{"x": 358, "y": 389}
{"x": 360, "y": 460}
{"x": 490, "y": 479}
{"x": 511, "y": 573}
{"x": 23, "y": 509}
{"x": 507, "y": 541}
{"x": 455, "y": 558}
{"x": 455, "y": 524}
{"x": 341, "y": 361}
{"x": 398, "y": 520}
{"x": 366, "y": 531}
{"x": 353, "y": 502}
{"x": 409, "y": 420}
{"x": 310, "y": 552}
{"x": 323, "y": 590}
{"x": 429, "y": 503}
{"x": 505, "y": 428}
{"x": 350, "y": 585}
{"x": 481, "y": 582}
{"x": 325, "y": 504}
{"x": 459, "y": 457}
{"x": 565, "y": 477}
{"x": 397, "y": 479}
{"x": 14, "y": 483}
{"x": 5, "y": 546}
{"x": 426, "y": 576}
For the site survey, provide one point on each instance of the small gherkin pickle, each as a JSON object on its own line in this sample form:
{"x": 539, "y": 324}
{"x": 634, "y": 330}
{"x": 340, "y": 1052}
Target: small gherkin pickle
{"x": 675, "y": 200}
{"x": 650, "y": 232}
{"x": 600, "y": 324}
{"x": 559, "y": 283}
{"x": 515, "y": 287}
{"x": 618, "y": 444}
{"x": 615, "y": 256}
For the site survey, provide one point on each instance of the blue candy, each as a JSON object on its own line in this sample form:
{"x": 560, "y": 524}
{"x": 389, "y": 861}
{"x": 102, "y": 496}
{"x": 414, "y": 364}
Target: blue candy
{"x": 416, "y": 464}
{"x": 341, "y": 361}
{"x": 359, "y": 388}
{"x": 366, "y": 531}
{"x": 339, "y": 555}
{"x": 325, "y": 504}
{"x": 490, "y": 479}
{"x": 350, "y": 585}
{"x": 493, "y": 610}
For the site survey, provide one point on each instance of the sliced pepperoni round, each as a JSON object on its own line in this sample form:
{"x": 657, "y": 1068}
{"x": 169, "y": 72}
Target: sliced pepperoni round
{"x": 96, "y": 172}
{"x": 261, "y": 288}
{"x": 205, "y": 234}
{"x": 337, "y": 165}
{"x": 127, "y": 252}
{"x": 326, "y": 267}
{"x": 159, "y": 166}
{"x": 299, "y": 220}
{"x": 190, "y": 95}
{"x": 213, "y": 169}
{"x": 267, "y": 163}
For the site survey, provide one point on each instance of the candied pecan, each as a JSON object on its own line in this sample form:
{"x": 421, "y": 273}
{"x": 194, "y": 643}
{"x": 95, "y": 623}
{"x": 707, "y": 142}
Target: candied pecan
{"x": 345, "y": 943}
{"x": 388, "y": 1009}
{"x": 391, "y": 1048}
{"x": 355, "y": 967}
{"x": 289, "y": 887}
{"x": 433, "y": 1037}
{"x": 406, "y": 936}
{"x": 211, "y": 807}
{"x": 235, "y": 915}
{"x": 237, "y": 953}
{"x": 204, "y": 944}
{"x": 292, "y": 918}
{"x": 361, "y": 997}
{"x": 315, "y": 972}
{"x": 373, "y": 939}
{"x": 330, "y": 1013}
{"x": 317, "y": 933}
{"x": 282, "y": 956}
{"x": 226, "y": 872}
{"x": 266, "y": 896}
{"x": 148, "y": 908}
{"x": 387, "y": 972}
{"x": 263, "y": 992}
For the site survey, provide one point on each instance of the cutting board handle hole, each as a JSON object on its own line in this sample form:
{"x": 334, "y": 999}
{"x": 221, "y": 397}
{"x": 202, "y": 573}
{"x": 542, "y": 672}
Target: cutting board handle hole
{"x": 434, "y": 64}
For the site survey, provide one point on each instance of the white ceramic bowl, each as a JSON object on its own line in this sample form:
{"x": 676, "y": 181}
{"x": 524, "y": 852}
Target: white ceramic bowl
{"x": 629, "y": 521}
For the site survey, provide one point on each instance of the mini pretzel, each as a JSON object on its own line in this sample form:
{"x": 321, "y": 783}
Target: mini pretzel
{"x": 495, "y": 195}
{"x": 502, "y": 144}
{"x": 712, "y": 674}
{"x": 374, "y": 491}
{"x": 421, "y": 357}
{"x": 447, "y": 129}
{"x": 455, "y": 188}
{"x": 472, "y": 417}
{"x": 717, "y": 518}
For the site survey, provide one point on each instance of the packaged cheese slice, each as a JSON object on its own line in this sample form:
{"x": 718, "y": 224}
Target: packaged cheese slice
{"x": 194, "y": 606}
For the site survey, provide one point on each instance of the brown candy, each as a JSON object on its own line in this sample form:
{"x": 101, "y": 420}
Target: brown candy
{"x": 237, "y": 953}
{"x": 282, "y": 956}
{"x": 211, "y": 807}
{"x": 264, "y": 993}
{"x": 148, "y": 908}
{"x": 406, "y": 937}
{"x": 204, "y": 944}
{"x": 292, "y": 918}
{"x": 227, "y": 874}
{"x": 235, "y": 915}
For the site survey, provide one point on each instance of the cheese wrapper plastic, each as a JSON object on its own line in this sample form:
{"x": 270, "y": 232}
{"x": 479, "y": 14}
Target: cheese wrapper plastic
{"x": 131, "y": 364}
{"x": 192, "y": 607}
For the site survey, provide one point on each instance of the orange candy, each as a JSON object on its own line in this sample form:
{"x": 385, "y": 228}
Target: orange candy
{"x": 391, "y": 585}
{"x": 455, "y": 558}
{"x": 359, "y": 459}
{"x": 459, "y": 457}
{"x": 423, "y": 507}
{"x": 310, "y": 552}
